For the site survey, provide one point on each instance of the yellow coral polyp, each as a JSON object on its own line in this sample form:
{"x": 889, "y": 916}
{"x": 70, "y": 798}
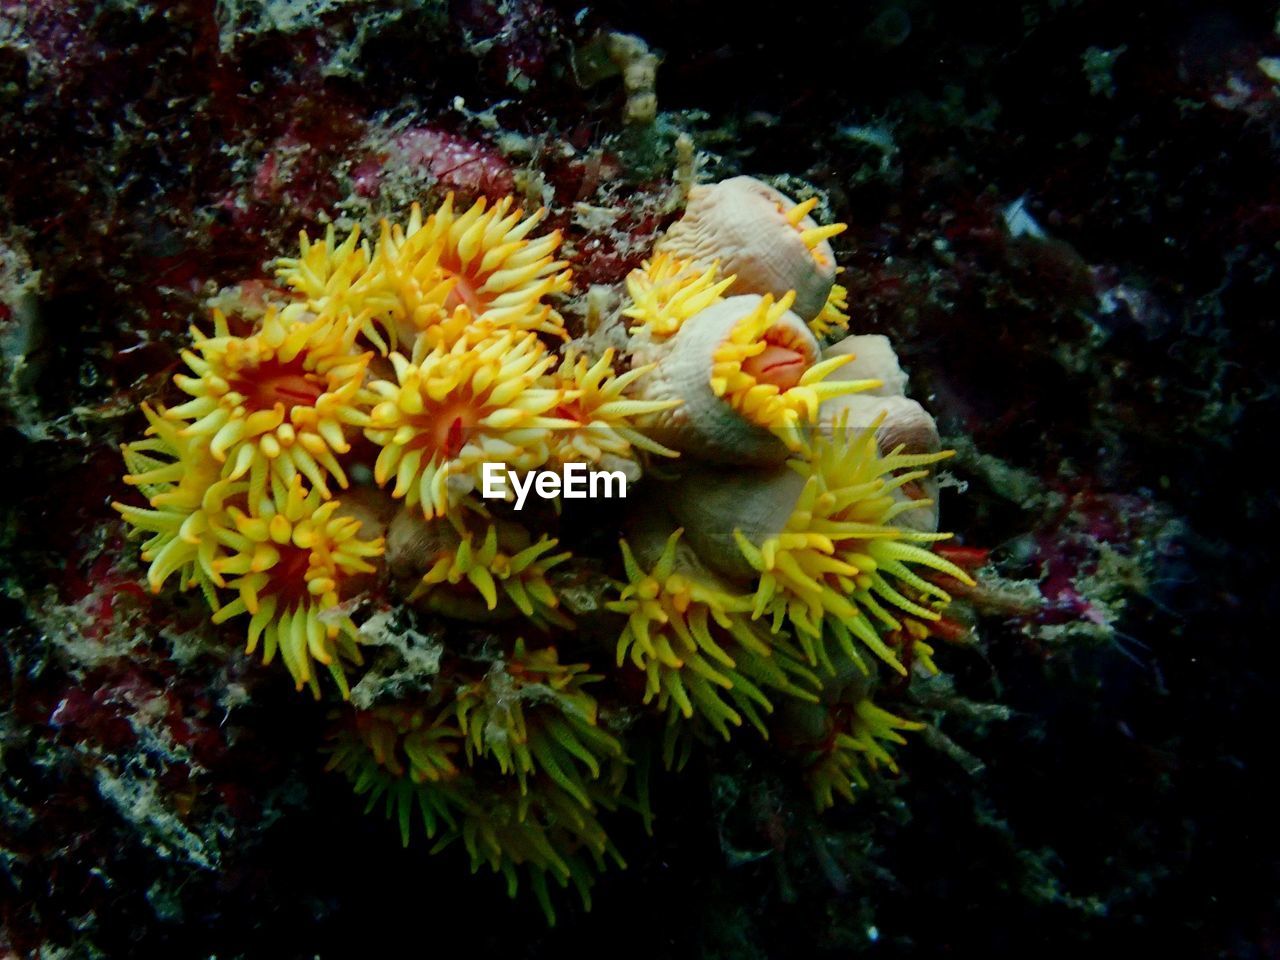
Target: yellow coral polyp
{"x": 667, "y": 290}
{"x": 546, "y": 832}
{"x": 480, "y": 262}
{"x": 332, "y": 279}
{"x": 402, "y": 740}
{"x": 768, "y": 405}
{"x": 278, "y": 401}
{"x": 181, "y": 480}
{"x": 531, "y": 715}
{"x": 694, "y": 641}
{"x": 405, "y": 756}
{"x": 601, "y": 412}
{"x": 288, "y": 559}
{"x": 450, "y": 411}
{"x": 833, "y": 317}
{"x": 495, "y": 564}
{"x": 813, "y": 237}
{"x": 858, "y": 741}
{"x": 839, "y": 561}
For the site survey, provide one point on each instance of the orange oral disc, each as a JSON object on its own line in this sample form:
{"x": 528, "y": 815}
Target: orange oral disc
{"x": 272, "y": 382}
{"x": 780, "y": 366}
{"x": 451, "y": 427}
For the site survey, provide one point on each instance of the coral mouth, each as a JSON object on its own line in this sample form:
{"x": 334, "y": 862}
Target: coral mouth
{"x": 289, "y": 574}
{"x": 288, "y": 384}
{"x": 445, "y": 430}
{"x": 777, "y": 365}
{"x": 465, "y": 294}
{"x": 465, "y": 291}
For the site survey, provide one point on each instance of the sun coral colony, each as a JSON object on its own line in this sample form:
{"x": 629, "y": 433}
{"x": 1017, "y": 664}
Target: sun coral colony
{"x": 578, "y": 483}
{"x": 790, "y": 557}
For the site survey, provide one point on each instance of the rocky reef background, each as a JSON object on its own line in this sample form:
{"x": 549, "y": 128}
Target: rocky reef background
{"x": 1064, "y": 214}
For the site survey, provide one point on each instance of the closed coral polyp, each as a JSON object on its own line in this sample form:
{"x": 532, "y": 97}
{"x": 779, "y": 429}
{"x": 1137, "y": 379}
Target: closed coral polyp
{"x": 813, "y": 237}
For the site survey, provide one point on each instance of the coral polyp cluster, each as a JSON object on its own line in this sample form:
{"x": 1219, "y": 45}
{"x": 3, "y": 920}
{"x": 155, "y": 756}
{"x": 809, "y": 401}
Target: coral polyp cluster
{"x": 288, "y": 555}
{"x": 488, "y": 263}
{"x": 764, "y": 239}
{"x": 438, "y": 277}
{"x": 326, "y": 485}
{"x": 511, "y": 762}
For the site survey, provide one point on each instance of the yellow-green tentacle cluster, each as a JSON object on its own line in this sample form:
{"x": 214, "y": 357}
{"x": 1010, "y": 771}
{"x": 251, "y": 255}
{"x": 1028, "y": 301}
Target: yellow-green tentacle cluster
{"x": 838, "y": 578}
{"x": 840, "y": 568}
{"x": 667, "y": 290}
{"x": 441, "y": 277}
{"x": 834, "y": 316}
{"x": 595, "y": 402}
{"x": 513, "y": 765}
{"x": 530, "y": 714}
{"x": 182, "y": 483}
{"x": 281, "y": 400}
{"x": 857, "y": 743}
{"x": 448, "y": 412}
{"x": 700, "y": 653}
{"x": 285, "y": 562}
{"x": 478, "y": 560}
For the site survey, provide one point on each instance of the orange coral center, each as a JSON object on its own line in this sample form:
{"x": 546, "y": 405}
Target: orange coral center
{"x": 466, "y": 287}
{"x": 914, "y": 490}
{"x": 445, "y": 428}
{"x": 778, "y": 365}
{"x": 570, "y": 411}
{"x": 273, "y": 382}
{"x": 289, "y": 574}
